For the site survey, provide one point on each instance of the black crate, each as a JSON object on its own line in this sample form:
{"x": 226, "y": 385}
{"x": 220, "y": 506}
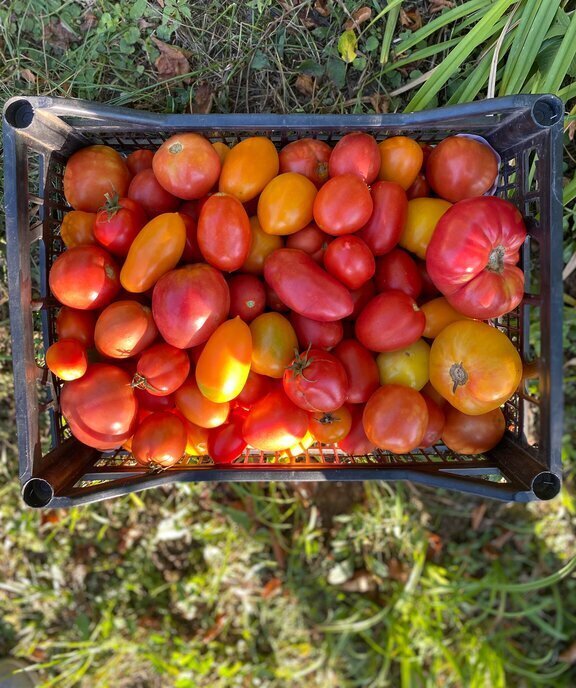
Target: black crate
{"x": 40, "y": 133}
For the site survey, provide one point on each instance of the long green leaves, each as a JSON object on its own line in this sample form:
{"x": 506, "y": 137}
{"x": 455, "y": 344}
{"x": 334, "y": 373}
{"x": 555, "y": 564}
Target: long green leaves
{"x": 566, "y": 53}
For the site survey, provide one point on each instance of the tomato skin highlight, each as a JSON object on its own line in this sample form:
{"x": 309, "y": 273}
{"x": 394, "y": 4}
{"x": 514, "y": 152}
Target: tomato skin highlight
{"x": 383, "y": 228}
{"x": 224, "y": 232}
{"x": 361, "y": 370}
{"x": 343, "y": 205}
{"x": 274, "y": 423}
{"x": 159, "y": 440}
{"x": 355, "y": 153}
{"x": 350, "y": 261}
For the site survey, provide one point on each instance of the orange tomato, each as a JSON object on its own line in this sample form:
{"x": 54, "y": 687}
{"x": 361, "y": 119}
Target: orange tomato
{"x": 249, "y": 166}
{"x": 196, "y": 439}
{"x": 261, "y": 247}
{"x": 67, "y": 359}
{"x": 400, "y": 160}
{"x": 224, "y": 364}
{"x": 332, "y": 427}
{"x": 474, "y": 366}
{"x": 273, "y": 344}
{"x": 439, "y": 313}
{"x": 421, "y": 220}
{"x": 466, "y": 434}
{"x": 156, "y": 250}
{"x": 77, "y": 228}
{"x": 196, "y": 408}
{"x": 222, "y": 149}
{"x": 285, "y": 205}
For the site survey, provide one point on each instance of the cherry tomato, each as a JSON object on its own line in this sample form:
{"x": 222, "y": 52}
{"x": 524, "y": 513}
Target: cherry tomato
{"x": 395, "y": 418}
{"x": 391, "y": 321}
{"x": 274, "y": 423}
{"x": 226, "y": 442}
{"x": 224, "y": 233}
{"x": 72, "y": 323}
{"x": 222, "y": 150}
{"x": 124, "y": 328}
{"x": 439, "y": 313}
{"x": 349, "y": 259}
{"x": 146, "y": 190}
{"x": 273, "y": 344}
{"x": 419, "y": 188}
{"x": 139, "y": 160}
{"x": 261, "y": 246}
{"x": 67, "y": 359}
{"x": 247, "y": 297}
{"x": 311, "y": 240}
{"x": 274, "y": 302}
{"x": 196, "y": 408}
{"x": 361, "y": 370}
{"x": 343, "y": 205}
{"x": 400, "y": 160}
{"x": 421, "y": 220}
{"x": 118, "y": 223}
{"x": 160, "y": 440}
{"x": 356, "y": 153}
{"x": 397, "y": 270}
{"x": 465, "y": 434}
{"x": 161, "y": 369}
{"x": 257, "y": 387}
{"x": 331, "y": 427}
{"x": 361, "y": 297}
{"x": 84, "y": 277}
{"x": 249, "y": 166}
{"x": 187, "y": 166}
{"x": 308, "y": 157}
{"x": 384, "y": 227}
{"x": 320, "y": 335}
{"x": 356, "y": 443}
{"x": 149, "y": 402}
{"x": 316, "y": 381}
{"x": 409, "y": 366}
{"x": 474, "y": 366}
{"x": 436, "y": 420}
{"x": 191, "y": 252}
{"x": 285, "y": 205}
{"x": 91, "y": 173}
{"x": 196, "y": 439}
{"x": 77, "y": 228}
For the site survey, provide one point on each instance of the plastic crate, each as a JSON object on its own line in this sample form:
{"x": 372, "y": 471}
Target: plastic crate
{"x": 40, "y": 133}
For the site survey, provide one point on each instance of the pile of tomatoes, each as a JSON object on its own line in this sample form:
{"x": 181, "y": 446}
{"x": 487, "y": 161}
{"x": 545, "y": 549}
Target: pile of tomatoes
{"x": 216, "y": 298}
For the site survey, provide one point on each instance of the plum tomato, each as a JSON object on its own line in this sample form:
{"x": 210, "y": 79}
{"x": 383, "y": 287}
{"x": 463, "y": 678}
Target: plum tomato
{"x": 261, "y": 246}
{"x": 308, "y": 157}
{"x": 248, "y": 167}
{"x": 419, "y": 188}
{"x": 361, "y": 370}
{"x": 146, "y": 190}
{"x": 320, "y": 335}
{"x": 343, "y": 205}
{"x": 361, "y": 296}
{"x": 350, "y": 261}
{"x": 196, "y": 408}
{"x": 400, "y": 160}
{"x": 397, "y": 270}
{"x": 224, "y": 232}
{"x": 421, "y": 220}
{"x": 439, "y": 314}
{"x": 273, "y": 344}
{"x": 247, "y": 297}
{"x": 384, "y": 227}
{"x": 311, "y": 240}
{"x": 356, "y": 153}
{"x": 285, "y": 204}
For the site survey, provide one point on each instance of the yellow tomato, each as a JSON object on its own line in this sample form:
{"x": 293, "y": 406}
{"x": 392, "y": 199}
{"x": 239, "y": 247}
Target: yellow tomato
{"x": 439, "y": 313}
{"x": 285, "y": 205}
{"x": 408, "y": 367}
{"x": 224, "y": 363}
{"x": 77, "y": 228}
{"x": 261, "y": 247}
{"x": 421, "y": 220}
{"x": 196, "y": 439}
{"x": 400, "y": 160}
{"x": 299, "y": 448}
{"x": 222, "y": 149}
{"x": 273, "y": 344}
{"x": 248, "y": 167}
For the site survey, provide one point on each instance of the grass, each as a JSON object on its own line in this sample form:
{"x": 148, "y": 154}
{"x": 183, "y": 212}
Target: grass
{"x": 291, "y": 585}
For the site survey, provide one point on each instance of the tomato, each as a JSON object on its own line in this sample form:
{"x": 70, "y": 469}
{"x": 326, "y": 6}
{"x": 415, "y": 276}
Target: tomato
{"x": 429, "y": 391}
{"x": 465, "y": 434}
{"x": 224, "y": 233}
{"x": 320, "y": 335}
{"x": 91, "y": 173}
{"x": 356, "y": 443}
{"x": 384, "y": 227}
{"x": 408, "y": 366}
{"x": 439, "y": 313}
{"x": 151, "y": 403}
{"x": 274, "y": 302}
{"x": 308, "y": 157}
{"x": 249, "y": 166}
{"x": 196, "y": 439}
{"x": 311, "y": 240}
{"x": 273, "y": 344}
{"x": 76, "y": 324}
{"x": 461, "y": 167}
{"x": 155, "y": 251}
{"x": 187, "y": 166}
{"x": 226, "y": 442}
{"x": 222, "y": 150}
{"x": 198, "y": 409}
{"x": 332, "y": 427}
{"x": 100, "y": 407}
{"x": 189, "y": 303}
{"x": 67, "y": 359}
{"x": 274, "y": 423}
{"x": 397, "y": 270}
{"x": 84, "y": 277}
{"x": 421, "y": 221}
{"x": 224, "y": 363}
{"x": 474, "y": 366}
{"x": 316, "y": 381}
{"x": 161, "y": 369}
{"x": 356, "y": 153}
{"x": 118, "y": 223}
{"x": 257, "y": 387}
{"x": 473, "y": 254}
{"x": 361, "y": 370}
{"x": 429, "y": 290}
{"x": 343, "y": 205}
{"x": 395, "y": 418}
{"x": 297, "y": 449}
{"x": 124, "y": 328}
{"x": 304, "y": 287}
{"x": 191, "y": 252}
{"x": 400, "y": 160}
{"x": 139, "y": 160}
{"x": 190, "y": 208}
{"x": 391, "y": 321}
{"x": 160, "y": 440}
{"x": 261, "y": 246}
{"x": 419, "y": 188}
{"x": 146, "y": 190}
{"x": 426, "y": 150}
{"x": 361, "y": 297}
{"x": 285, "y": 204}
{"x": 77, "y": 228}
{"x": 349, "y": 259}
{"x": 436, "y": 420}
{"x": 247, "y": 297}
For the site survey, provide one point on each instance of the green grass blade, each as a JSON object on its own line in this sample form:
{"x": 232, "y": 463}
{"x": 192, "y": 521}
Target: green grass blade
{"x": 564, "y": 56}
{"x": 569, "y": 193}
{"x": 389, "y": 33}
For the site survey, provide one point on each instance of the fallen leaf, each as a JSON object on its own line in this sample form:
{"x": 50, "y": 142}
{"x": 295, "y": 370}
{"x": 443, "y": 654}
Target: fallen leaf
{"x": 321, "y": 6}
{"x": 397, "y": 571}
{"x": 359, "y": 16}
{"x": 58, "y": 35}
{"x": 143, "y": 24}
{"x": 439, "y": 5}
{"x": 203, "y": 98}
{"x": 216, "y": 629}
{"x": 272, "y": 588}
{"x": 361, "y": 581}
{"x": 89, "y": 21}
{"x": 411, "y": 19}
{"x": 571, "y": 129}
{"x": 305, "y": 84}
{"x": 569, "y": 654}
{"x": 171, "y": 62}
{"x": 435, "y": 545}
{"x": 50, "y": 515}
{"x": 380, "y": 103}
{"x": 478, "y": 515}
{"x": 347, "y": 44}
{"x": 161, "y": 3}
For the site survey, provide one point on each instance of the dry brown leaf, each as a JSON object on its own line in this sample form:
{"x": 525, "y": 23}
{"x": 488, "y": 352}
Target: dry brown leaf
{"x": 439, "y": 5}
{"x": 272, "y": 588}
{"x": 380, "y": 103}
{"x": 216, "y": 629}
{"x": 571, "y": 129}
{"x": 89, "y": 20}
{"x": 305, "y": 84}
{"x": 171, "y": 62}
{"x": 361, "y": 581}
{"x": 58, "y": 35}
{"x": 359, "y": 16}
{"x": 569, "y": 654}
{"x": 397, "y": 570}
{"x": 203, "y": 98}
{"x": 478, "y": 515}
{"x": 161, "y": 3}
{"x": 28, "y": 76}
{"x": 411, "y": 19}
{"x": 321, "y": 6}
{"x": 435, "y": 545}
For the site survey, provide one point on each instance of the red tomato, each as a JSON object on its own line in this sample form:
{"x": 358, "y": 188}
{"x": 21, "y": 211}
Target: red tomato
{"x": 161, "y": 369}
{"x": 429, "y": 290}
{"x": 190, "y": 208}
{"x": 91, "y": 173}
{"x": 356, "y": 443}
{"x": 187, "y": 165}
{"x": 436, "y": 419}
{"x": 356, "y": 153}
{"x": 304, "y": 287}
{"x": 224, "y": 232}
{"x": 361, "y": 296}
{"x": 320, "y": 335}
{"x": 316, "y": 381}
{"x": 391, "y": 321}
{"x": 196, "y": 408}
{"x": 118, "y": 223}
{"x": 311, "y": 240}
{"x": 343, "y": 205}
{"x": 274, "y": 423}
{"x": 189, "y": 303}
{"x": 226, "y": 442}
{"x": 146, "y": 190}
{"x": 349, "y": 259}
{"x": 397, "y": 270}
{"x": 76, "y": 324}
{"x": 84, "y": 277}
{"x": 67, "y": 359}
{"x": 124, "y": 328}
{"x": 139, "y": 160}
{"x": 77, "y": 228}
{"x": 191, "y": 253}
{"x": 274, "y": 302}
{"x": 419, "y": 188}
{"x": 159, "y": 440}
{"x": 384, "y": 227}
{"x": 257, "y": 387}
{"x": 466, "y": 434}
{"x": 361, "y": 370}
{"x": 247, "y": 297}
{"x": 329, "y": 428}
{"x": 150, "y": 402}
{"x": 308, "y": 157}
{"x": 100, "y": 407}
{"x": 472, "y": 257}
